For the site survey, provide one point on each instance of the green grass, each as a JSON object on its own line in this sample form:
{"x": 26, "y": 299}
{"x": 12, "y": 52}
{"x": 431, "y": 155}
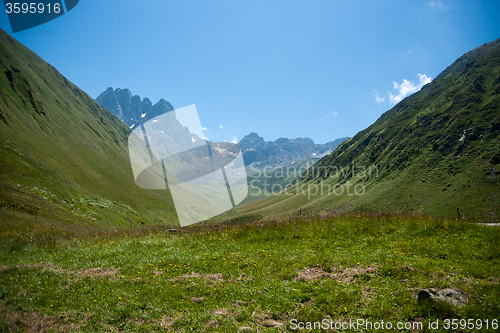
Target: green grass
{"x": 251, "y": 274}
{"x": 436, "y": 150}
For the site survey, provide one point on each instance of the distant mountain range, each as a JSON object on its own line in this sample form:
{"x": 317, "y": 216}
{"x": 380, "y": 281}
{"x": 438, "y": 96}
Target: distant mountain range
{"x": 282, "y": 152}
{"x": 130, "y": 108}
{"x": 261, "y": 154}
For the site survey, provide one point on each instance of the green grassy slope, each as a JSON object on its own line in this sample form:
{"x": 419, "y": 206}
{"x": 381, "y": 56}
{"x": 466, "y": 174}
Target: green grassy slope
{"x": 64, "y": 164}
{"x": 263, "y": 183}
{"x": 436, "y": 150}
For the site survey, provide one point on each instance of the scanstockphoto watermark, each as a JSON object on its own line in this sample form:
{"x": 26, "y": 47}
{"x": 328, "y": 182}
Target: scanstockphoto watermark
{"x": 266, "y": 183}
{"x": 311, "y": 190}
{"x": 350, "y": 171}
{"x": 324, "y": 172}
{"x": 376, "y": 325}
{"x": 171, "y": 151}
{"x": 25, "y": 15}
{"x": 359, "y": 324}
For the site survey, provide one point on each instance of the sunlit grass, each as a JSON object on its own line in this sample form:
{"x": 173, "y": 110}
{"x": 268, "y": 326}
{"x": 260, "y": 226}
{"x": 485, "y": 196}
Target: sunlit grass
{"x": 253, "y": 274}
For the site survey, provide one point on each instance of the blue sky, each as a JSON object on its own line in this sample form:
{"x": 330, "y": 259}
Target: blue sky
{"x": 318, "y": 69}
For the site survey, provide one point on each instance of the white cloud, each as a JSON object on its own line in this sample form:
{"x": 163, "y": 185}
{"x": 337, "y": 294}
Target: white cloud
{"x": 204, "y": 128}
{"x": 378, "y": 99}
{"x": 435, "y": 3}
{"x": 407, "y": 88}
{"x": 221, "y": 126}
{"x": 234, "y": 140}
{"x": 334, "y": 114}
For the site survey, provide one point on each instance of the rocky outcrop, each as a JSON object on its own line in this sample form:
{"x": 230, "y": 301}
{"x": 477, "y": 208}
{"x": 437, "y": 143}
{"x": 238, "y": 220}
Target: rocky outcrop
{"x": 130, "y": 108}
{"x": 452, "y": 296}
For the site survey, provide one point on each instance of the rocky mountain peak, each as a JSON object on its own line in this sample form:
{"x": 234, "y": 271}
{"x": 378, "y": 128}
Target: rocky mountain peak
{"x": 130, "y": 108}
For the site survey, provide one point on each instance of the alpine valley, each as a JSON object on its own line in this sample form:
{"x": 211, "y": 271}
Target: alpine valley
{"x": 386, "y": 227}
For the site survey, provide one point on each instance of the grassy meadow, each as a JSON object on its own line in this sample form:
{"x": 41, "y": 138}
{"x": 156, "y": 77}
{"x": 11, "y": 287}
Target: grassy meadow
{"x": 252, "y": 275}
{"x": 84, "y": 249}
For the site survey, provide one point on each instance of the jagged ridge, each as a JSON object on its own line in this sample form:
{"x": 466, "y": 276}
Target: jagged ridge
{"x": 282, "y": 152}
{"x": 130, "y": 108}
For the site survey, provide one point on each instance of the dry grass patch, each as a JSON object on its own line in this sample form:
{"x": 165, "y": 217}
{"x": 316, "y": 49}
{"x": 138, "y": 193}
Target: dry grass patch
{"x": 347, "y": 276}
{"x": 264, "y": 320}
{"x": 222, "y": 312}
{"x": 215, "y": 278}
{"x": 35, "y": 322}
{"x": 239, "y": 303}
{"x": 211, "y": 324}
{"x": 186, "y": 276}
{"x": 242, "y": 277}
{"x": 165, "y": 322}
{"x": 96, "y": 272}
{"x": 311, "y": 274}
{"x": 269, "y": 322}
{"x": 46, "y": 267}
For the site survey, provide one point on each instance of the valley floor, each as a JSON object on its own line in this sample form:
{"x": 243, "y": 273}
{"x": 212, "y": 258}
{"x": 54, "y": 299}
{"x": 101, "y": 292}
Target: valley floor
{"x": 256, "y": 276}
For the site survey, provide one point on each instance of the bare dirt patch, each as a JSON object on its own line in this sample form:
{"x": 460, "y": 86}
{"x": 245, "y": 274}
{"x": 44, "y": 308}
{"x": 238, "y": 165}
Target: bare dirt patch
{"x": 44, "y": 266}
{"x": 346, "y": 276}
{"x": 311, "y": 274}
{"x": 242, "y": 277}
{"x": 211, "y": 324}
{"x": 96, "y": 272}
{"x": 187, "y": 276}
{"x": 215, "y": 278}
{"x": 222, "y": 312}
{"x": 166, "y": 321}
{"x": 267, "y": 321}
{"x": 35, "y": 322}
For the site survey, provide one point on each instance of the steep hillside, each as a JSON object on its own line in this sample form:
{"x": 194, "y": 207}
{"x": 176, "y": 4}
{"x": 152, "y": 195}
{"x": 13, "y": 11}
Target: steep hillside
{"x": 436, "y": 150}
{"x": 266, "y": 182}
{"x": 64, "y": 161}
